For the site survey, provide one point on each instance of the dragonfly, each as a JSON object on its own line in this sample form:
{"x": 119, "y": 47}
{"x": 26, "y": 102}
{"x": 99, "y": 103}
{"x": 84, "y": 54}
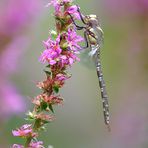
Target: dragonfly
{"x": 94, "y": 37}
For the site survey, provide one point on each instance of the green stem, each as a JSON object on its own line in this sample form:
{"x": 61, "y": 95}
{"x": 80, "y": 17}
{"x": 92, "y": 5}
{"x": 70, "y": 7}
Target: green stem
{"x": 35, "y": 128}
{"x": 28, "y": 142}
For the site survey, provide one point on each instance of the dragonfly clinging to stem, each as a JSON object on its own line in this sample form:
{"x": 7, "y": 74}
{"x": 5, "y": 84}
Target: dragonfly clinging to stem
{"x": 93, "y": 35}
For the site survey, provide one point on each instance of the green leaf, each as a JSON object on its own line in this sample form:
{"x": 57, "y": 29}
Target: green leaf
{"x": 48, "y": 73}
{"x": 48, "y": 66}
{"x": 51, "y": 108}
{"x": 43, "y": 128}
{"x": 61, "y": 20}
{"x": 56, "y": 89}
{"x": 45, "y": 122}
{"x": 30, "y": 116}
{"x": 29, "y": 119}
{"x": 44, "y": 105}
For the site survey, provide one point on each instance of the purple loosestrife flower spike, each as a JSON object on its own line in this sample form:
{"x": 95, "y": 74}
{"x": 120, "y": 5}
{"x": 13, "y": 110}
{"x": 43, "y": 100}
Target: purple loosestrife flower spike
{"x": 61, "y": 49}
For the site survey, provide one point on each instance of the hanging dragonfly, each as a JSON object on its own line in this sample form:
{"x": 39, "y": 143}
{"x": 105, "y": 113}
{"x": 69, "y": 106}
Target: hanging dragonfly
{"x": 93, "y": 36}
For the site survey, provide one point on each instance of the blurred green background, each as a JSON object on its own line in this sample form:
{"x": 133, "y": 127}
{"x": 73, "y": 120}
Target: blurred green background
{"x": 79, "y": 122}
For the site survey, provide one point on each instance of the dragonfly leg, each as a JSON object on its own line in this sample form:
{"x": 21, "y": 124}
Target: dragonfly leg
{"x": 86, "y": 41}
{"x": 82, "y": 18}
{"x": 77, "y": 26}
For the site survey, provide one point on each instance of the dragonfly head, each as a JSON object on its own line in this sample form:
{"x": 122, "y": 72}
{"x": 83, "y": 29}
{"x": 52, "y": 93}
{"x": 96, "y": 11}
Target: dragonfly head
{"x": 92, "y": 20}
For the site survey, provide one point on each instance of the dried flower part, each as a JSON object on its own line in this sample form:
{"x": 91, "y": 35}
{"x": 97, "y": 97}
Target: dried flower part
{"x": 45, "y": 102}
{"x": 46, "y": 85}
{"x": 51, "y": 84}
{"x": 44, "y": 117}
{"x": 51, "y": 100}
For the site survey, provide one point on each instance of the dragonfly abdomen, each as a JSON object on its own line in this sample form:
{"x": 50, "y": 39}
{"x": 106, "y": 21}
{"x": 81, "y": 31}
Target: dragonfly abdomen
{"x": 103, "y": 90}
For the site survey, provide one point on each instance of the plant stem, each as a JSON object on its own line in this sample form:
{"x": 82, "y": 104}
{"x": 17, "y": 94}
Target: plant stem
{"x": 28, "y": 142}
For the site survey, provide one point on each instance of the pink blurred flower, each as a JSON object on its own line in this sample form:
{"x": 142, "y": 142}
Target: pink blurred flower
{"x": 126, "y": 7}
{"x": 16, "y": 14}
{"x": 10, "y": 56}
{"x": 11, "y": 101}
{"x": 9, "y": 59}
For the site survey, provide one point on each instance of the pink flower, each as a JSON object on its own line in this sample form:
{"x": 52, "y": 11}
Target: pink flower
{"x": 17, "y": 146}
{"x": 52, "y": 52}
{"x": 68, "y": 58}
{"x": 73, "y": 39}
{"x": 38, "y": 144}
{"x": 73, "y": 11}
{"x": 55, "y": 4}
{"x": 24, "y": 131}
{"x": 60, "y": 79}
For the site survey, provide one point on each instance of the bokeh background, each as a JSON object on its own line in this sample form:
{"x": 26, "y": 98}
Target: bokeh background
{"x": 79, "y": 122}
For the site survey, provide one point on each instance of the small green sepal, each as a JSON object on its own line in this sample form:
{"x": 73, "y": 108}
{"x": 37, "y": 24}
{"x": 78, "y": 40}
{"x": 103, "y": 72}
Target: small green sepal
{"x": 48, "y": 66}
{"x": 53, "y": 34}
{"x": 48, "y": 73}
{"x": 51, "y": 108}
{"x": 56, "y": 89}
{"x": 44, "y": 105}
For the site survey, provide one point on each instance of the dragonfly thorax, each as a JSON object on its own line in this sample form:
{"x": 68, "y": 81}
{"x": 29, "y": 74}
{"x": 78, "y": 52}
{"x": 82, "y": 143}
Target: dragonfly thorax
{"x": 92, "y": 36}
